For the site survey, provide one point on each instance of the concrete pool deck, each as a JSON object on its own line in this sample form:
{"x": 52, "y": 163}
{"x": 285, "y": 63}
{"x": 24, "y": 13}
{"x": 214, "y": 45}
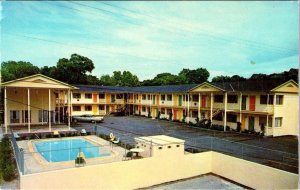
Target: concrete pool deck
{"x": 35, "y": 163}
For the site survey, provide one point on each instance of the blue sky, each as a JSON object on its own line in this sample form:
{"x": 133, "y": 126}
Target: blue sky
{"x": 148, "y": 38}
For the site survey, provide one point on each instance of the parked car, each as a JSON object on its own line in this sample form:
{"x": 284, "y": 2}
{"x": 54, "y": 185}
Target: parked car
{"x": 87, "y": 118}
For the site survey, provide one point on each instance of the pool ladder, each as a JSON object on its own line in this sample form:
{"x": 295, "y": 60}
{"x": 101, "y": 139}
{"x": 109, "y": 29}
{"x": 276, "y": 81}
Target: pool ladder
{"x": 37, "y": 136}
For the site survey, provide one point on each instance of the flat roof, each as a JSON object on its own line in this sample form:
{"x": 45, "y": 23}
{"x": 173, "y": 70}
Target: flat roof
{"x": 160, "y": 139}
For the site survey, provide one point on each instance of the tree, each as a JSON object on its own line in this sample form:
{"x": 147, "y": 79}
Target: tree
{"x": 120, "y": 79}
{"x": 106, "y": 80}
{"x": 221, "y": 78}
{"x": 195, "y": 76}
{"x": 12, "y": 70}
{"x": 74, "y": 70}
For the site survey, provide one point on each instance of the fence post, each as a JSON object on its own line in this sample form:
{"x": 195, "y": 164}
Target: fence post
{"x": 21, "y": 161}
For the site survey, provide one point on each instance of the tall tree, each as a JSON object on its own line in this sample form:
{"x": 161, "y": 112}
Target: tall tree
{"x": 194, "y": 76}
{"x": 120, "y": 79}
{"x": 74, "y": 70}
{"x": 11, "y": 70}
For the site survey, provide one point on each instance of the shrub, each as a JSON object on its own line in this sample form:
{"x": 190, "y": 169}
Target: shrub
{"x": 9, "y": 172}
{"x": 62, "y": 135}
{"x": 88, "y": 133}
{"x": 48, "y": 136}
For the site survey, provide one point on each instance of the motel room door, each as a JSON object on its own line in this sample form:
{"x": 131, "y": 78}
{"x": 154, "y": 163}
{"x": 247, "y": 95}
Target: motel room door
{"x": 180, "y": 100}
{"x": 203, "y": 101}
{"x": 244, "y": 102}
{"x": 252, "y": 103}
{"x": 251, "y": 123}
{"x": 175, "y": 115}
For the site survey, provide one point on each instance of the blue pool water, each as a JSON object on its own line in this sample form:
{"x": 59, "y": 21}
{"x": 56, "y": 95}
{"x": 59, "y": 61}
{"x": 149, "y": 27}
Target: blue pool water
{"x": 67, "y": 149}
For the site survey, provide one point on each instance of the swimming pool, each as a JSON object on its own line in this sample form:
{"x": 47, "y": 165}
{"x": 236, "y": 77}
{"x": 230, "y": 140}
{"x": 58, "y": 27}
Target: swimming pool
{"x": 67, "y": 149}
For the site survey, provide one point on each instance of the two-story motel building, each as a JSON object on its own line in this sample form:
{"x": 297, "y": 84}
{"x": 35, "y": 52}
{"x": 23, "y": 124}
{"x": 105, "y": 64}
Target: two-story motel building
{"x": 252, "y": 103}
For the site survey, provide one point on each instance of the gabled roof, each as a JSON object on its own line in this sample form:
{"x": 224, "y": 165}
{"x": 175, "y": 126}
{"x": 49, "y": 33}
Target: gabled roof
{"x": 250, "y": 86}
{"x": 36, "y": 83}
{"x": 241, "y": 86}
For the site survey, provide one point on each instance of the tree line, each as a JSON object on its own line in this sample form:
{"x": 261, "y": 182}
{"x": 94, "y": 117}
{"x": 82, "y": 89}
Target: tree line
{"x": 77, "y": 70}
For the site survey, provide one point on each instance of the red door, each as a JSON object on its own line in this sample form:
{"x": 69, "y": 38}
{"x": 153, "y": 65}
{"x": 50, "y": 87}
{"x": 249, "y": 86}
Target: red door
{"x": 252, "y": 103}
{"x": 203, "y": 101}
{"x": 95, "y": 98}
{"x": 175, "y": 115}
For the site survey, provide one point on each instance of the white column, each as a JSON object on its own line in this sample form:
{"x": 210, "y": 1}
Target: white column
{"x": 58, "y": 107}
{"x": 49, "y": 108}
{"x": 105, "y": 103}
{"x": 69, "y": 110}
{"x": 211, "y": 106}
{"x": 188, "y": 109}
{"x": 28, "y": 109}
{"x": 184, "y": 104}
{"x": 225, "y": 111}
{"x": 199, "y": 105}
{"x": 266, "y": 127}
{"x": 241, "y": 99}
{"x": 5, "y": 110}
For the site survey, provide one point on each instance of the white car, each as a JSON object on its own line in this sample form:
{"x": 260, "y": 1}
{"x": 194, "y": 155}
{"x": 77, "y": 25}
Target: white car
{"x": 87, "y": 118}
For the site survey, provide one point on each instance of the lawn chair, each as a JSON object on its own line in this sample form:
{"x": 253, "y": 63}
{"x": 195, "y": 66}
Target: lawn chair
{"x": 83, "y": 132}
{"x": 116, "y": 141}
{"x": 128, "y": 156}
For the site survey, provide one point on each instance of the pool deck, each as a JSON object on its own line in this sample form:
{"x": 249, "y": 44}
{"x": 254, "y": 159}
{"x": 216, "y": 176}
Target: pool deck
{"x": 35, "y": 163}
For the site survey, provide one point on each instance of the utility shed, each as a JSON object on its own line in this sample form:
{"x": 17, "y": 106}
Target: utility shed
{"x": 160, "y": 145}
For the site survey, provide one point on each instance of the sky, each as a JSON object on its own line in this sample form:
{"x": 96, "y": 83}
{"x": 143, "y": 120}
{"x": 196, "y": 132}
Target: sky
{"x": 148, "y": 38}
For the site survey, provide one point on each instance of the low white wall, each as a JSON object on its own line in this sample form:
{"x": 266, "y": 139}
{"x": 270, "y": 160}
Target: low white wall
{"x": 122, "y": 175}
{"x": 254, "y": 175}
{"x": 147, "y": 172}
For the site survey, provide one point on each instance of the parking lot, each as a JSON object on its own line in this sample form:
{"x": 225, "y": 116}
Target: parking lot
{"x": 278, "y": 152}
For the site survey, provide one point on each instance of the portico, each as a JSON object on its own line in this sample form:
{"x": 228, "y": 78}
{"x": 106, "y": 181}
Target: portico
{"x": 36, "y": 100}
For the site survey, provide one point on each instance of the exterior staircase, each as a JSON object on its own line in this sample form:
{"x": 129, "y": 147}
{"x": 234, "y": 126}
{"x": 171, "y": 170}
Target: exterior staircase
{"x": 215, "y": 112}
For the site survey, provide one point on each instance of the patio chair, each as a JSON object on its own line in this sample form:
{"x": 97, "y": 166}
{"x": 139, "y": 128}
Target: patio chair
{"x": 83, "y": 132}
{"x": 55, "y": 133}
{"x": 128, "y": 156}
{"x": 112, "y": 137}
{"x": 116, "y": 141}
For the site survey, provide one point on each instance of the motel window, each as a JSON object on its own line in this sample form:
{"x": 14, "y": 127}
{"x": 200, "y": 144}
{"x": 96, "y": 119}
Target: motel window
{"x": 279, "y": 99}
{"x": 149, "y": 97}
{"x": 113, "y": 98}
{"x": 88, "y": 96}
{"x": 231, "y": 118}
{"x": 195, "y": 98}
{"x": 101, "y": 96}
{"x": 88, "y": 108}
{"x": 163, "y": 111}
{"x": 143, "y": 109}
{"x": 163, "y": 97}
{"x": 143, "y": 97}
{"x": 169, "y": 111}
{"x": 278, "y": 121}
{"x": 76, "y": 95}
{"x": 25, "y": 116}
{"x": 194, "y": 114}
{"x": 15, "y": 116}
{"x": 137, "y": 97}
{"x": 76, "y": 108}
{"x": 169, "y": 97}
{"x": 218, "y": 98}
{"x": 264, "y": 99}
{"x": 101, "y": 107}
{"x": 218, "y": 117}
{"x": 119, "y": 96}
{"x": 232, "y": 99}
{"x": 43, "y": 116}
{"x": 263, "y": 121}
